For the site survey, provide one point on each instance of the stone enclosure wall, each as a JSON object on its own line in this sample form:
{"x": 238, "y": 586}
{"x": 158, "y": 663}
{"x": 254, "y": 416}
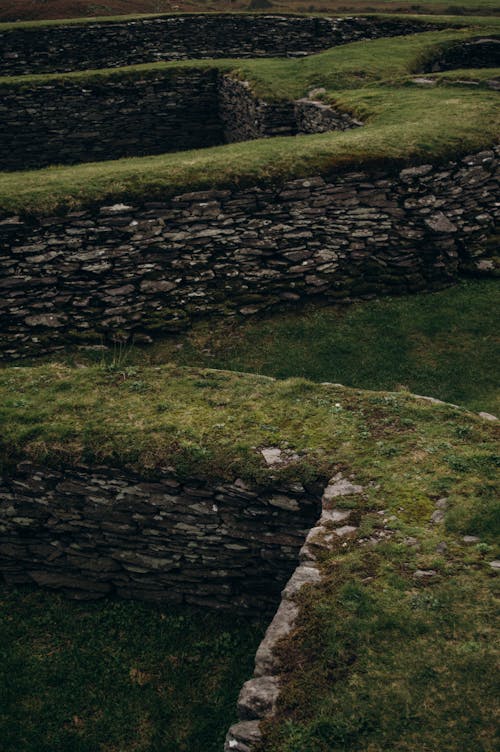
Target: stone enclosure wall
{"x": 476, "y": 53}
{"x": 67, "y": 121}
{"x": 56, "y": 48}
{"x": 91, "y": 532}
{"x": 137, "y": 270}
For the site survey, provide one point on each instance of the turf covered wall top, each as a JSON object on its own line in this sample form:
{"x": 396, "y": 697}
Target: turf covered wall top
{"x": 152, "y": 266}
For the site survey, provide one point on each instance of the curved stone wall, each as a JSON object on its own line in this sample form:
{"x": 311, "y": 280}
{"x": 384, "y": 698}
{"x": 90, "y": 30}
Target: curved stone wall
{"x": 57, "y": 47}
{"x": 139, "y": 270}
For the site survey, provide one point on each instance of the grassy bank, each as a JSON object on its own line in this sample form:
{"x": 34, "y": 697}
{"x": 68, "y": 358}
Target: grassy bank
{"x": 444, "y": 344}
{"x": 112, "y": 675}
{"x": 389, "y": 659}
{"x": 403, "y": 124}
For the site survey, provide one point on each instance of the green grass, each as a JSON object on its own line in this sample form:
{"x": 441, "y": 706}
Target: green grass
{"x": 444, "y": 344}
{"x": 391, "y": 664}
{"x": 386, "y": 662}
{"x": 112, "y": 676}
{"x": 431, "y": 7}
{"x": 208, "y": 420}
{"x": 404, "y": 124}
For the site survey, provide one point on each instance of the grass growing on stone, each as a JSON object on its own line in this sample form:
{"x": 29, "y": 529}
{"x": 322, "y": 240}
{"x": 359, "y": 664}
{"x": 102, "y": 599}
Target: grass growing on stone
{"x": 391, "y": 661}
{"x": 403, "y": 124}
{"x": 116, "y": 675}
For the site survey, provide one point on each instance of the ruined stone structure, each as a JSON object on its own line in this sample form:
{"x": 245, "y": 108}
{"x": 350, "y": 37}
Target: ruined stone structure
{"x": 66, "y": 121}
{"x": 155, "y": 266}
{"x": 96, "y": 531}
{"x": 108, "y": 44}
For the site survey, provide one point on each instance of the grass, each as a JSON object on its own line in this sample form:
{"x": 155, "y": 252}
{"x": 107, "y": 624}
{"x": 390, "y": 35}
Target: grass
{"x": 444, "y": 344}
{"x": 92, "y": 12}
{"x": 386, "y": 661}
{"x": 380, "y": 660}
{"x": 115, "y": 675}
{"x": 391, "y": 664}
{"x": 404, "y": 124}
{"x": 208, "y": 420}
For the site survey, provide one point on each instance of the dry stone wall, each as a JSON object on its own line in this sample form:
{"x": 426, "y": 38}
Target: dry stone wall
{"x": 97, "y": 531}
{"x": 57, "y": 47}
{"x": 246, "y": 116}
{"x": 476, "y": 53}
{"x": 67, "y": 121}
{"x": 137, "y": 270}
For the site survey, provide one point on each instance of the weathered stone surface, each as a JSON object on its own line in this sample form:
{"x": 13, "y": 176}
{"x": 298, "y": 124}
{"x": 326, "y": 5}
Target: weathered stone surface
{"x": 119, "y": 43}
{"x": 153, "y": 273}
{"x": 243, "y": 737}
{"x": 258, "y": 698}
{"x": 266, "y": 663}
{"x": 103, "y": 530}
{"x": 339, "y": 486}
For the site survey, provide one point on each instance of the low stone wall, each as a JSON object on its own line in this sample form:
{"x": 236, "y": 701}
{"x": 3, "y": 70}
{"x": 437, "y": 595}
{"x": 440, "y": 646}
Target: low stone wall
{"x": 476, "y": 53}
{"x": 59, "y": 47}
{"x": 66, "y": 121}
{"x": 91, "y": 532}
{"x": 335, "y": 527}
{"x": 135, "y": 271}
{"x": 246, "y": 116}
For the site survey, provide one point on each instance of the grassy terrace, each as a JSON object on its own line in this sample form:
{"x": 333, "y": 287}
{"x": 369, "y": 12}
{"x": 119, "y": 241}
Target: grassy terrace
{"x": 445, "y": 344}
{"x": 388, "y": 661}
{"x": 382, "y": 659}
{"x": 403, "y": 123}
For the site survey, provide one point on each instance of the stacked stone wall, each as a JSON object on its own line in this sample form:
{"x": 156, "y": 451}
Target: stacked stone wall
{"x": 247, "y": 117}
{"x": 59, "y": 47}
{"x": 155, "y": 266}
{"x": 93, "y": 532}
{"x": 66, "y": 121}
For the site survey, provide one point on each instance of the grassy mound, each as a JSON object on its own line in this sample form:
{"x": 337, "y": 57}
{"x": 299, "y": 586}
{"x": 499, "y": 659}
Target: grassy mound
{"x": 443, "y": 344}
{"x": 384, "y": 657}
